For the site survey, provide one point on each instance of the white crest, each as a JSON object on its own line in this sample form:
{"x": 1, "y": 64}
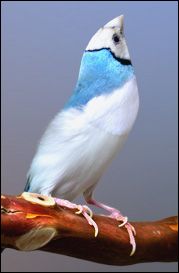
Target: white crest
{"x": 108, "y": 36}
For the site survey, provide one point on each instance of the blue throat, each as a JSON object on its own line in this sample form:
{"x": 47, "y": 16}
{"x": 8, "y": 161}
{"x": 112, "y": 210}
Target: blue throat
{"x": 100, "y": 73}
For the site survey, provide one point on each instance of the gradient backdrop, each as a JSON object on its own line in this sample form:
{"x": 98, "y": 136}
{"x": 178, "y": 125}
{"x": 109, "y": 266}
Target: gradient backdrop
{"x": 42, "y": 45}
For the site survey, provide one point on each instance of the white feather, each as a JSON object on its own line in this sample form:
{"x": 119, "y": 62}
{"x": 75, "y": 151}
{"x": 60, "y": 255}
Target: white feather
{"x": 78, "y": 145}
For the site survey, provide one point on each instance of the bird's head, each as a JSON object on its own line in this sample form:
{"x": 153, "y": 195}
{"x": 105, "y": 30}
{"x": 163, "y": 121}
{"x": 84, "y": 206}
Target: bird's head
{"x": 111, "y": 36}
{"x": 105, "y": 64}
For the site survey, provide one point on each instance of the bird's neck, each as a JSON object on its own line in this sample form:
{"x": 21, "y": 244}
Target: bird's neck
{"x": 100, "y": 73}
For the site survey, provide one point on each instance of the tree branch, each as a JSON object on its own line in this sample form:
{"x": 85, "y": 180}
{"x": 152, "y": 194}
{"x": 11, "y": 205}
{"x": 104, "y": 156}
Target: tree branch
{"x": 37, "y": 222}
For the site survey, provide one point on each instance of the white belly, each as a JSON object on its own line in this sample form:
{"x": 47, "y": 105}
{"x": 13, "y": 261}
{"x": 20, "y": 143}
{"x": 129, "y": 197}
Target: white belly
{"x": 87, "y": 162}
{"x": 78, "y": 145}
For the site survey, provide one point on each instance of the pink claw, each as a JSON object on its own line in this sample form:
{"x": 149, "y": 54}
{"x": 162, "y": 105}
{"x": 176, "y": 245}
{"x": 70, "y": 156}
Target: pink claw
{"x": 84, "y": 210}
{"x": 130, "y": 229}
{"x": 131, "y": 232}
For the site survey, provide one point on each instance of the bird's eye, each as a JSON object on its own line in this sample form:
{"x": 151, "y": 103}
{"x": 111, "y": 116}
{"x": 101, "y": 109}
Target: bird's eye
{"x": 115, "y": 38}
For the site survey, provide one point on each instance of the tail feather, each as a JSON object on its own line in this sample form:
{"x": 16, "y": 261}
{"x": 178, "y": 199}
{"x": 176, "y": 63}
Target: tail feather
{"x": 27, "y": 186}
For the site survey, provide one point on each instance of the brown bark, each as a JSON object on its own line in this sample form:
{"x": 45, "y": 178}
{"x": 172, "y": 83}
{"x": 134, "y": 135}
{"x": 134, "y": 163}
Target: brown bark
{"x": 29, "y": 224}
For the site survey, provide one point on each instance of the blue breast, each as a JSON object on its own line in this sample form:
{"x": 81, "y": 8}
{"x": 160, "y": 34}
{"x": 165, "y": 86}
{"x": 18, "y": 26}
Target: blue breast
{"x": 100, "y": 73}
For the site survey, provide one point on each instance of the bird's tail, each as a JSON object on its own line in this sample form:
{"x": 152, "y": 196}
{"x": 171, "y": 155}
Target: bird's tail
{"x": 27, "y": 186}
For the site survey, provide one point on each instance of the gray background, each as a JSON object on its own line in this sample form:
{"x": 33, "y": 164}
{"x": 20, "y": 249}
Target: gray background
{"x": 42, "y": 44}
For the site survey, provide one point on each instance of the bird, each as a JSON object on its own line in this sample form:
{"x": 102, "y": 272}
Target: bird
{"x": 92, "y": 127}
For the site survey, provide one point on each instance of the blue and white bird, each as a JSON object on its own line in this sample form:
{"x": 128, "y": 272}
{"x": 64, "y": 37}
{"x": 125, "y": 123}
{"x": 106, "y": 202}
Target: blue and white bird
{"x": 89, "y": 131}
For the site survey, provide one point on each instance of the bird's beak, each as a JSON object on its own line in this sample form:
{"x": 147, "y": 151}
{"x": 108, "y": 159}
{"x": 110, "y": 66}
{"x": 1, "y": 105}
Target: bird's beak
{"x": 117, "y": 22}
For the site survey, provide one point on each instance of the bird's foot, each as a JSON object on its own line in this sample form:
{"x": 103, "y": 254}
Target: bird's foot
{"x": 82, "y": 209}
{"x": 115, "y": 214}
